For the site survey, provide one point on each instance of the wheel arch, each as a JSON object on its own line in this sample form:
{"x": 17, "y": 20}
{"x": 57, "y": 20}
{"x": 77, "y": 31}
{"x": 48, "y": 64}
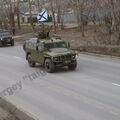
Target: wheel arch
{"x": 46, "y": 57}
{"x": 27, "y": 53}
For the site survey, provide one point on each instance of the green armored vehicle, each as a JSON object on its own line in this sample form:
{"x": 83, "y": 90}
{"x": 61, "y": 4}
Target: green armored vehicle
{"x": 49, "y": 52}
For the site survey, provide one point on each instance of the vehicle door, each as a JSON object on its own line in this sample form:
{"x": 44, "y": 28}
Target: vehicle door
{"x": 41, "y": 53}
{"x": 33, "y": 49}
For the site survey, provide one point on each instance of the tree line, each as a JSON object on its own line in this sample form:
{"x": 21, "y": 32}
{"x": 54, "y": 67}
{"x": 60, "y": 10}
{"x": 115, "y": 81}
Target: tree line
{"x": 111, "y": 20}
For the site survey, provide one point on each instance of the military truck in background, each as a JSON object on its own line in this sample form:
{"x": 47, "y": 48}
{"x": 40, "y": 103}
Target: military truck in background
{"x": 49, "y": 52}
{"x": 6, "y": 37}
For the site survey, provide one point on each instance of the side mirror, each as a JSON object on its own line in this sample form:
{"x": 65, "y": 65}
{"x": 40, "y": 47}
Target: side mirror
{"x": 68, "y": 45}
{"x": 39, "y": 49}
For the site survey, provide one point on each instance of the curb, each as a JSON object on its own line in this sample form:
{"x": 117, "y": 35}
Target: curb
{"x": 17, "y": 113}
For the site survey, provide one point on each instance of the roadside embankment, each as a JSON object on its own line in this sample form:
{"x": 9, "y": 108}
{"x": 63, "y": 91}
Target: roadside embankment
{"x": 10, "y": 112}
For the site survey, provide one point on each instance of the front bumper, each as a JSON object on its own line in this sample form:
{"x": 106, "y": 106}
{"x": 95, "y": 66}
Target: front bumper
{"x": 65, "y": 63}
{"x": 6, "y": 40}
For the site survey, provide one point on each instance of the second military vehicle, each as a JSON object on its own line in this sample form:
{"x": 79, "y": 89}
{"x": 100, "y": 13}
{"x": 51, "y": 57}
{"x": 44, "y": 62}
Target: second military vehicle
{"x": 6, "y": 38}
{"x": 49, "y": 52}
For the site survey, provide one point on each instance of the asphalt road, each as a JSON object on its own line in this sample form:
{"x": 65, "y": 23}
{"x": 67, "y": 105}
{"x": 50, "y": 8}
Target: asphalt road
{"x": 92, "y": 92}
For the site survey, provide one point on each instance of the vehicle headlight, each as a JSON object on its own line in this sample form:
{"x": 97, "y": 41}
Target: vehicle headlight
{"x": 55, "y": 58}
{"x": 73, "y": 56}
{"x": 1, "y": 38}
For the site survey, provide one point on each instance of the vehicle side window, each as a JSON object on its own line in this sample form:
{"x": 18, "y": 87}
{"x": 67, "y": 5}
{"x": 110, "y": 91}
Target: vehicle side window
{"x": 41, "y": 47}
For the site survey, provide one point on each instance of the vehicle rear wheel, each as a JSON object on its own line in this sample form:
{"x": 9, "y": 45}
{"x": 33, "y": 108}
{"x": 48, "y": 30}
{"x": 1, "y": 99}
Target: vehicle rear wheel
{"x": 73, "y": 66}
{"x": 12, "y": 42}
{"x": 49, "y": 66}
{"x": 30, "y": 61}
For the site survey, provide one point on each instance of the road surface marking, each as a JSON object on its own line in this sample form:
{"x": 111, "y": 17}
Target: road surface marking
{"x": 17, "y": 57}
{"x": 114, "y": 113}
{"x": 116, "y": 84}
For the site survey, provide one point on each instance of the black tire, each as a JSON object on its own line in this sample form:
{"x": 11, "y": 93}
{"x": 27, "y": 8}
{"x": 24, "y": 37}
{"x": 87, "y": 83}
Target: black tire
{"x": 12, "y": 43}
{"x": 73, "y": 66}
{"x": 1, "y": 44}
{"x": 24, "y": 46}
{"x": 49, "y": 66}
{"x": 30, "y": 61}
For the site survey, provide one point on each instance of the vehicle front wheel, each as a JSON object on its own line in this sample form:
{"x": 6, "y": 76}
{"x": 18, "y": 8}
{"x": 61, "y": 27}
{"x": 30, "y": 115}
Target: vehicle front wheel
{"x": 30, "y": 61}
{"x": 1, "y": 44}
{"x": 73, "y": 66}
{"x": 12, "y": 43}
{"x": 49, "y": 66}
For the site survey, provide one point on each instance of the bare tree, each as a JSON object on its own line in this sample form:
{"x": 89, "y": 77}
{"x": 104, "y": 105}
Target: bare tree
{"x": 79, "y": 7}
{"x": 18, "y": 13}
{"x": 31, "y": 17}
{"x": 7, "y": 13}
{"x": 52, "y": 5}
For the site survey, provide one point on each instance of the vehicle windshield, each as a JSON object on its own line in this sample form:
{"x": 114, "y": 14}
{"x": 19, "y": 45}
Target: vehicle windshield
{"x": 5, "y": 33}
{"x": 55, "y": 45}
